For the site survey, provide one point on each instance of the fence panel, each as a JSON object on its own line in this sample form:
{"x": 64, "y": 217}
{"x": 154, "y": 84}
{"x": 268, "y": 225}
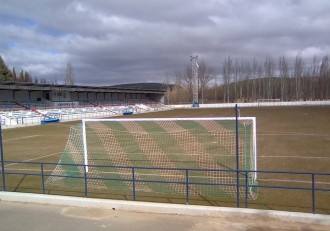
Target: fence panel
{"x": 289, "y": 191}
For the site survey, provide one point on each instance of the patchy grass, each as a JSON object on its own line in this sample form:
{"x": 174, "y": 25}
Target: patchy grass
{"x": 288, "y": 139}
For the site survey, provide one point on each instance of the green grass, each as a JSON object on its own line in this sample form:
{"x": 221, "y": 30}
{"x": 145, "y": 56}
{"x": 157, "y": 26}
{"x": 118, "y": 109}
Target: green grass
{"x": 288, "y": 139}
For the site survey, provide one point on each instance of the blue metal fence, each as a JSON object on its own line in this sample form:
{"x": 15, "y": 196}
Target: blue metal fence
{"x": 313, "y": 188}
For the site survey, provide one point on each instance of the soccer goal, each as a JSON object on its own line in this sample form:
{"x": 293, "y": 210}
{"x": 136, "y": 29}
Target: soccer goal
{"x": 161, "y": 150}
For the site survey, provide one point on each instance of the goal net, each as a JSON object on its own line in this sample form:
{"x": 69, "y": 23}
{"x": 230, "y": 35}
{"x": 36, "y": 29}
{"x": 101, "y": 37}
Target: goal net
{"x": 161, "y": 151}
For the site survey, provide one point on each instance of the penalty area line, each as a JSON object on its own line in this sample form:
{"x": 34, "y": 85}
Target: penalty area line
{"x": 37, "y": 158}
{"x": 28, "y": 169}
{"x": 294, "y": 181}
{"x": 298, "y": 157}
{"x": 291, "y": 134}
{"x": 20, "y": 138}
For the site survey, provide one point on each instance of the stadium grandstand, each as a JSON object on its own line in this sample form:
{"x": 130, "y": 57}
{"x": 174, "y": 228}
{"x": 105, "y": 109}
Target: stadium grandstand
{"x": 28, "y": 103}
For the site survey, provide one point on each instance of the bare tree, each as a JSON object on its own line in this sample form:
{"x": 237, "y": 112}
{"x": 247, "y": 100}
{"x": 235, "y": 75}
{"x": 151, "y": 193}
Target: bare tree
{"x": 269, "y": 66}
{"x": 284, "y": 76}
{"x": 69, "y": 78}
{"x": 254, "y": 71}
{"x": 236, "y": 73}
{"x": 205, "y": 75}
{"x": 261, "y": 94}
{"x": 315, "y": 72}
{"x": 240, "y": 77}
{"x": 54, "y": 82}
{"x": 251, "y": 81}
{"x": 188, "y": 81}
{"x": 178, "y": 86}
{"x": 179, "y": 93}
{"x": 168, "y": 90}
{"x": 298, "y": 73}
{"x": 324, "y": 78}
{"x": 215, "y": 88}
{"x": 247, "y": 77}
{"x": 227, "y": 70}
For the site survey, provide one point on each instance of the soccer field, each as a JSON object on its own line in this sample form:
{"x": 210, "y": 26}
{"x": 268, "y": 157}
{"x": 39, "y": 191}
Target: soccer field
{"x": 288, "y": 139}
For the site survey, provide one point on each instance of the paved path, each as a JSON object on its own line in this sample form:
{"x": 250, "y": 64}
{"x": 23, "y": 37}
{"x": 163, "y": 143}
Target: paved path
{"x": 20, "y": 216}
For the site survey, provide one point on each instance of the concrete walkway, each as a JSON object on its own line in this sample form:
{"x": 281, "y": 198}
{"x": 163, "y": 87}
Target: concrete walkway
{"x": 22, "y": 214}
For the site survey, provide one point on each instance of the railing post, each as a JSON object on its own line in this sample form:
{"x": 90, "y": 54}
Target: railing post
{"x": 313, "y": 193}
{"x": 85, "y": 180}
{"x": 246, "y": 189}
{"x": 237, "y": 156}
{"x": 187, "y": 187}
{"x": 42, "y": 178}
{"x": 133, "y": 182}
{"x": 2, "y": 162}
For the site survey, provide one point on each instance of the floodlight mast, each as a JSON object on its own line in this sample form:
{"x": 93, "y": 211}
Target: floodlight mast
{"x": 194, "y": 73}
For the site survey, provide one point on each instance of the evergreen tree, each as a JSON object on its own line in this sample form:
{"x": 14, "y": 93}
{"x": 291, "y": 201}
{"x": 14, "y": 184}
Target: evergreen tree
{"x": 14, "y": 74}
{"x": 69, "y": 78}
{"x": 21, "y": 76}
{"x": 27, "y": 77}
{"x": 5, "y": 74}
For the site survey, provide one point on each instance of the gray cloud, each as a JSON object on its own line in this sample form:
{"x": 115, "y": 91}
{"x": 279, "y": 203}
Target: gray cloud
{"x": 112, "y": 42}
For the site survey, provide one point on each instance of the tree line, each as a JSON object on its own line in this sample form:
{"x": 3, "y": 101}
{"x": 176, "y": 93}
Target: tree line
{"x": 236, "y": 80}
{"x": 249, "y": 80}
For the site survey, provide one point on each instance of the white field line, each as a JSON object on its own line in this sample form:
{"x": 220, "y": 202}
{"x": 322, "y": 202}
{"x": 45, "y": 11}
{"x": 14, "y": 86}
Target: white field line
{"x": 21, "y": 138}
{"x": 298, "y": 157}
{"x": 291, "y": 134}
{"x": 40, "y": 157}
{"x": 29, "y": 169}
{"x": 295, "y": 181}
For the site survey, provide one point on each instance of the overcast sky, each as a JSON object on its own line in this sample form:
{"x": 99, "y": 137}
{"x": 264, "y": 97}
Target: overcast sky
{"x": 125, "y": 41}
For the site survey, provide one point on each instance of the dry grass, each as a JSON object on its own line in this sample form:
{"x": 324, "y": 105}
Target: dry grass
{"x": 288, "y": 139}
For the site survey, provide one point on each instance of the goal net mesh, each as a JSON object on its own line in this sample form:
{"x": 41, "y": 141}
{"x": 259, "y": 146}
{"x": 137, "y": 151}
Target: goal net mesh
{"x": 160, "y": 150}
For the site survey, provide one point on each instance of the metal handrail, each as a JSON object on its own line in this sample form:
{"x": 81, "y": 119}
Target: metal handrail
{"x": 186, "y": 182}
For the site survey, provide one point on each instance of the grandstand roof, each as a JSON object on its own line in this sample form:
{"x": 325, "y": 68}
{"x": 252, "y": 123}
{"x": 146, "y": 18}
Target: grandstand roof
{"x": 11, "y": 85}
{"x": 143, "y": 86}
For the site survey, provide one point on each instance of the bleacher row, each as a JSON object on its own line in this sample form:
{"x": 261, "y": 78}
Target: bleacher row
{"x": 15, "y": 114}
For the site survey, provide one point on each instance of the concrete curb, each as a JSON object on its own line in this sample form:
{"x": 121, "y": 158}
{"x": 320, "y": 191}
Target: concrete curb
{"x": 148, "y": 207}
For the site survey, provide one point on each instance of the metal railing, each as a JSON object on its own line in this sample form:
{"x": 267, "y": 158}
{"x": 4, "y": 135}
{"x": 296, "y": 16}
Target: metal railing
{"x": 243, "y": 185}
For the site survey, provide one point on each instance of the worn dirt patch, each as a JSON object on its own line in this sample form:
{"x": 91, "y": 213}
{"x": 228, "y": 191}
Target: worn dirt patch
{"x": 88, "y": 213}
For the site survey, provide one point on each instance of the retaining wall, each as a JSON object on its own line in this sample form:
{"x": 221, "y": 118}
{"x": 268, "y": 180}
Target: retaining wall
{"x": 258, "y": 104}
